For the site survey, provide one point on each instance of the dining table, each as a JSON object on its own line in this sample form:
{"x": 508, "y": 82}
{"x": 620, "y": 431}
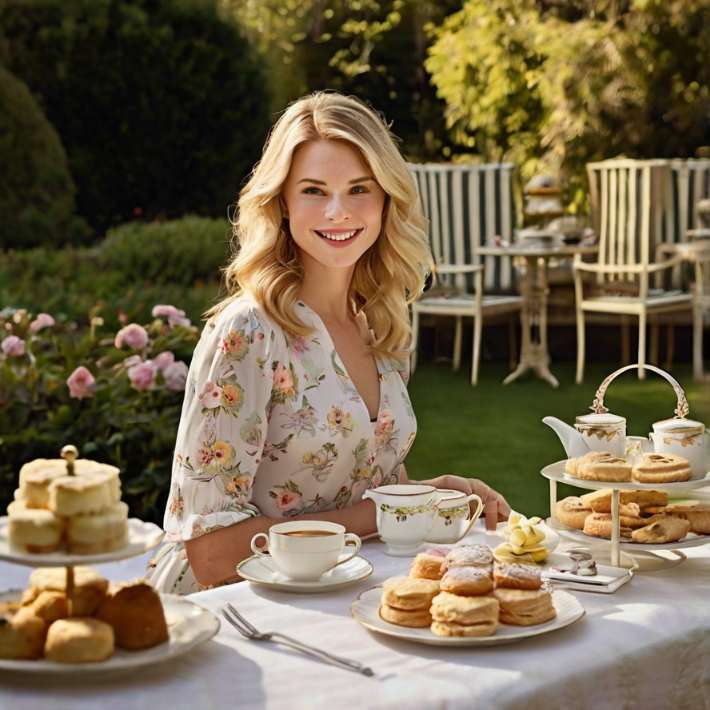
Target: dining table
{"x": 645, "y": 646}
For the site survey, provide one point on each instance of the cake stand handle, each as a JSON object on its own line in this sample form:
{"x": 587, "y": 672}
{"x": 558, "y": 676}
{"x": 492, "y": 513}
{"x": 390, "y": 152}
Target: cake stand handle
{"x": 615, "y": 532}
{"x": 553, "y": 498}
{"x": 70, "y": 588}
{"x": 681, "y": 410}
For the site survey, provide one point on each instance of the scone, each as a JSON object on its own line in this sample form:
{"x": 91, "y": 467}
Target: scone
{"x": 50, "y": 606}
{"x": 409, "y": 593}
{"x": 664, "y": 529}
{"x": 89, "y": 587}
{"x": 661, "y": 468}
{"x": 135, "y": 612}
{"x": 467, "y": 611}
{"x": 414, "y": 618}
{"x": 599, "y": 525}
{"x": 572, "y": 511}
{"x": 516, "y": 576}
{"x": 603, "y": 468}
{"x": 103, "y": 531}
{"x": 426, "y": 566}
{"x": 525, "y": 607}
{"x": 33, "y": 530}
{"x": 467, "y": 581}
{"x": 79, "y": 640}
{"x": 696, "y": 512}
{"x": 21, "y": 635}
{"x": 469, "y": 556}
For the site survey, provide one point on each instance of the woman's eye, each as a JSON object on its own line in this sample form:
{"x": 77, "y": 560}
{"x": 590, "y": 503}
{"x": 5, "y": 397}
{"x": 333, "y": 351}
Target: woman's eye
{"x": 359, "y": 189}
{"x": 312, "y": 191}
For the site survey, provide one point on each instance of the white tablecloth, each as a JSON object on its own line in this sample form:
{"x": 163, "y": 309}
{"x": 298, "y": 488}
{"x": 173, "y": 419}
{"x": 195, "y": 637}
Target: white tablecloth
{"x": 646, "y": 646}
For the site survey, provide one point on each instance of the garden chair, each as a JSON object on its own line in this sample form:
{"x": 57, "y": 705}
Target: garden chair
{"x": 629, "y": 201}
{"x": 466, "y": 206}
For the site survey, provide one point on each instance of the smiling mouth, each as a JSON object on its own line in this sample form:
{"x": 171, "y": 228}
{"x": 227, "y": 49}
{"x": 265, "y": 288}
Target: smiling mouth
{"x": 339, "y": 237}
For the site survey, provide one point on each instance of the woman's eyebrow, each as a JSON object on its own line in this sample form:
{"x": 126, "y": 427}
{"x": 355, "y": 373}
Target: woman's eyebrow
{"x": 365, "y": 178}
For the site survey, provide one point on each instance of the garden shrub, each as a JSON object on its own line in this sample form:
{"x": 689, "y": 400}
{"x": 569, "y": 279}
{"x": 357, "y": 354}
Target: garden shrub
{"x": 36, "y": 188}
{"x": 160, "y": 105}
{"x": 117, "y": 396}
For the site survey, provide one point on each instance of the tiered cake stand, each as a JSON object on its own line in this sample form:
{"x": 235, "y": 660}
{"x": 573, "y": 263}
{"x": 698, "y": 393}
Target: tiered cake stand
{"x": 647, "y": 557}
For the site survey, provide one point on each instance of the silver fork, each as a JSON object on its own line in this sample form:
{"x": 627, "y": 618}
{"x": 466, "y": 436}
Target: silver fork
{"x": 248, "y": 630}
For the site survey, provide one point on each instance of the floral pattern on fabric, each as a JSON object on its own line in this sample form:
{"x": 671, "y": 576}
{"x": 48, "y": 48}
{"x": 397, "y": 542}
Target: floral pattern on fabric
{"x": 274, "y": 425}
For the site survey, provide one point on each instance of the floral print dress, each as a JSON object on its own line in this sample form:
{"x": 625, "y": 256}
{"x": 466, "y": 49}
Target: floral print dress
{"x": 273, "y": 425}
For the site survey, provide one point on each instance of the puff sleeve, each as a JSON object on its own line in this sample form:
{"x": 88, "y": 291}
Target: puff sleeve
{"x": 223, "y": 424}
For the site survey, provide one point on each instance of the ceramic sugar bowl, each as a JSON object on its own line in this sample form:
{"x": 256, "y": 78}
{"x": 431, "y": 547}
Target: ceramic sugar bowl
{"x": 453, "y": 518}
{"x": 405, "y": 514}
{"x": 683, "y": 437}
{"x": 603, "y": 432}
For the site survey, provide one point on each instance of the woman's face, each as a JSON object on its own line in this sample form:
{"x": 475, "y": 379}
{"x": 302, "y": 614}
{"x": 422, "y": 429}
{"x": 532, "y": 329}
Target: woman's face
{"x": 334, "y": 206}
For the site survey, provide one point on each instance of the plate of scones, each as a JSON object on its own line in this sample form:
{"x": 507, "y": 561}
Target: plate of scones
{"x": 463, "y": 597}
{"x": 103, "y": 628}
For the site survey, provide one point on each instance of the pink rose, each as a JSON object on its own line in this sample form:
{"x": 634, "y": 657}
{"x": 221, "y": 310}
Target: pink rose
{"x": 286, "y": 500}
{"x": 174, "y": 315}
{"x": 13, "y": 346}
{"x": 43, "y": 320}
{"x": 142, "y": 376}
{"x": 164, "y": 360}
{"x": 133, "y": 335}
{"x": 132, "y": 360}
{"x": 175, "y": 376}
{"x": 211, "y": 395}
{"x": 81, "y": 383}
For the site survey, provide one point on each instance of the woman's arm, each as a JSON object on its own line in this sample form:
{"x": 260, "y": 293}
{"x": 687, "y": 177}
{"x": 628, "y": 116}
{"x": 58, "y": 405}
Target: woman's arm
{"x": 214, "y": 556}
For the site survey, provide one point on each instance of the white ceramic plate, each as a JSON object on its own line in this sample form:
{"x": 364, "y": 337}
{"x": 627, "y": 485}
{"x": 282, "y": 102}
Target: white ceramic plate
{"x": 690, "y": 540}
{"x": 142, "y": 536}
{"x": 261, "y": 570}
{"x": 189, "y": 625}
{"x": 556, "y": 472}
{"x": 365, "y": 609}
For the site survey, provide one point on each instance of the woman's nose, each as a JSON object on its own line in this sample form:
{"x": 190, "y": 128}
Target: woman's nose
{"x": 336, "y": 211}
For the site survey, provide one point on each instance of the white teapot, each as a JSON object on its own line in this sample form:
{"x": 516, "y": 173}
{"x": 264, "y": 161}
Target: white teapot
{"x": 683, "y": 437}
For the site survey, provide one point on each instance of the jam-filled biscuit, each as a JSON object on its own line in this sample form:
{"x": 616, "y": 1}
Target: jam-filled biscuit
{"x": 426, "y": 566}
{"x": 665, "y": 529}
{"x": 469, "y": 556}
{"x": 604, "y": 468}
{"x": 515, "y": 576}
{"x": 661, "y": 468}
{"x": 416, "y": 618}
{"x": 572, "y": 511}
{"x": 463, "y": 610}
{"x": 467, "y": 581}
{"x": 572, "y": 465}
{"x": 409, "y": 593}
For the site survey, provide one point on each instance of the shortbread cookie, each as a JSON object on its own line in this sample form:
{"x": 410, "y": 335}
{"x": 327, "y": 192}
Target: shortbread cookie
{"x": 664, "y": 529}
{"x": 469, "y": 556}
{"x": 516, "y": 576}
{"x": 572, "y": 465}
{"x": 409, "y": 593}
{"x": 451, "y": 629}
{"x": 524, "y": 607}
{"x": 572, "y": 511}
{"x": 416, "y": 618}
{"x": 599, "y": 525}
{"x": 103, "y": 531}
{"x": 696, "y": 512}
{"x": 79, "y": 640}
{"x": 661, "y": 468}
{"x": 600, "y": 501}
{"x": 463, "y": 610}
{"x": 467, "y": 581}
{"x": 33, "y": 530}
{"x": 426, "y": 566}
{"x": 21, "y": 635}
{"x": 603, "y": 468}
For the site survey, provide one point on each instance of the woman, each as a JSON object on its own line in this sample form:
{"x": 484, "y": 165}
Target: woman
{"x": 296, "y": 401}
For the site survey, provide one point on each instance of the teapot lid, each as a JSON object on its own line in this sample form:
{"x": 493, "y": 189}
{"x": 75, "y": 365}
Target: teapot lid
{"x": 606, "y": 419}
{"x": 678, "y": 425}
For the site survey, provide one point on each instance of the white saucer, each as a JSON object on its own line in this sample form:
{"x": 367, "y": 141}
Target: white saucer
{"x": 261, "y": 570}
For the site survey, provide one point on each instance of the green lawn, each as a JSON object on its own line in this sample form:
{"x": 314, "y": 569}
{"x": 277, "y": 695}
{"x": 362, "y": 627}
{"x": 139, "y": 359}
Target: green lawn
{"x": 494, "y": 432}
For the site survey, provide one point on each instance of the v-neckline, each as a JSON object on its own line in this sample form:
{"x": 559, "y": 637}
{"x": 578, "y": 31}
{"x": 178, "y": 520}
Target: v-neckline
{"x": 341, "y": 364}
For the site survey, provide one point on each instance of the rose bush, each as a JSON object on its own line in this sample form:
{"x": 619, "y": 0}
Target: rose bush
{"x": 115, "y": 395}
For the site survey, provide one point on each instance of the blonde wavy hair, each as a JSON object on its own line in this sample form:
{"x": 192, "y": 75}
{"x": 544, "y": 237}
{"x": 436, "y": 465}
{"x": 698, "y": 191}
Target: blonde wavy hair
{"x": 388, "y": 276}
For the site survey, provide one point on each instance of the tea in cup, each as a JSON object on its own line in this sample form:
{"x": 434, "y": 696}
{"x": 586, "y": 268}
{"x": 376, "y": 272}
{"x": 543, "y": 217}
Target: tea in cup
{"x": 453, "y": 518}
{"x": 305, "y": 550}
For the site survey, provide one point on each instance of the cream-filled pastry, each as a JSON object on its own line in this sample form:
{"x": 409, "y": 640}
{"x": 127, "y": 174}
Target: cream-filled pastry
{"x": 104, "y": 531}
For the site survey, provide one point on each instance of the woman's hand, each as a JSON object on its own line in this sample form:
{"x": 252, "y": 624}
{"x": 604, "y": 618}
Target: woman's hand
{"x": 496, "y": 507}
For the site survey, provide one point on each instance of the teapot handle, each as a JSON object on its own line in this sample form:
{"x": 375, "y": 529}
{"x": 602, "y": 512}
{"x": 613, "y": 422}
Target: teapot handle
{"x": 681, "y": 410}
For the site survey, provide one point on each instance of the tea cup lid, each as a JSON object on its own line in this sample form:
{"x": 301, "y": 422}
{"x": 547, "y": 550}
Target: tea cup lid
{"x": 678, "y": 425}
{"x": 607, "y": 419}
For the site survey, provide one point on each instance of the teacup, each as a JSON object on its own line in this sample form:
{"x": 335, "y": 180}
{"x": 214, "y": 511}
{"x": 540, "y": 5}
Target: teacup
{"x": 405, "y": 514}
{"x": 453, "y": 519}
{"x": 304, "y": 550}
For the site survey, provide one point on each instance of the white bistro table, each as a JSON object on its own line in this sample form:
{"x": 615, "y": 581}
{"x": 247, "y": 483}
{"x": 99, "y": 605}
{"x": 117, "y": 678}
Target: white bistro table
{"x": 646, "y": 646}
